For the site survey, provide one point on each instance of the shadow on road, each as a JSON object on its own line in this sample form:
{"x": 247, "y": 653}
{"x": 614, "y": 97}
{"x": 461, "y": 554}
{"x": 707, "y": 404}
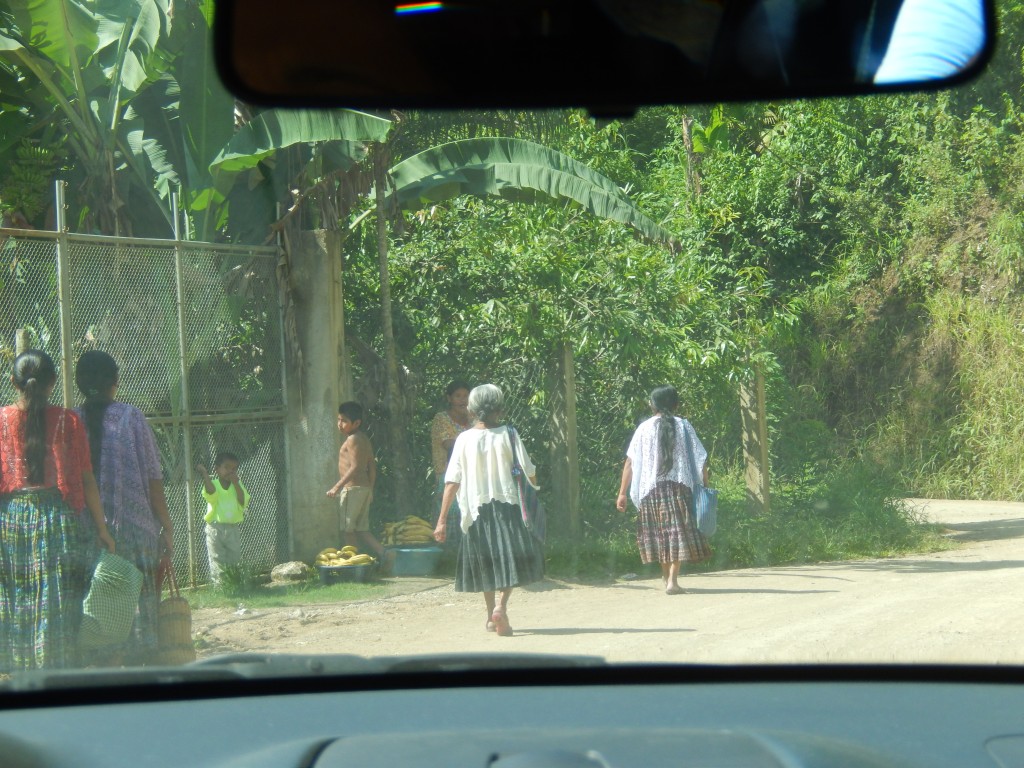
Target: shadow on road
{"x": 691, "y": 591}
{"x": 987, "y": 530}
{"x": 598, "y": 631}
{"x": 926, "y": 566}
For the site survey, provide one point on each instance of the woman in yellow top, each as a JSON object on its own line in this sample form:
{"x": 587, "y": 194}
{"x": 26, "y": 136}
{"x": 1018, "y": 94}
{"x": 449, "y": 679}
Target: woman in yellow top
{"x": 226, "y": 502}
{"x": 448, "y": 425}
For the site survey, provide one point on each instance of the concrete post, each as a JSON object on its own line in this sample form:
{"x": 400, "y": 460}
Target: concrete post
{"x": 312, "y": 433}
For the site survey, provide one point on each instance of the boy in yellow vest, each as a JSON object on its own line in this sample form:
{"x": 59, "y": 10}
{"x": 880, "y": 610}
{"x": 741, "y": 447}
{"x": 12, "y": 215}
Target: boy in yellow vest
{"x": 226, "y": 502}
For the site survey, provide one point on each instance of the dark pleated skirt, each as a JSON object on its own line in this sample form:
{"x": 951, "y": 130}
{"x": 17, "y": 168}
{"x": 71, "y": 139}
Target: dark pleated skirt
{"x": 497, "y": 552}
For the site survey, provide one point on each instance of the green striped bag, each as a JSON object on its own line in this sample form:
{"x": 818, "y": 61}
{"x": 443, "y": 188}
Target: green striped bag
{"x": 109, "y": 607}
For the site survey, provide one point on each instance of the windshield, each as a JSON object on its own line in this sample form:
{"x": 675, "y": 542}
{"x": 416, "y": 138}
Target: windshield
{"x": 728, "y": 383}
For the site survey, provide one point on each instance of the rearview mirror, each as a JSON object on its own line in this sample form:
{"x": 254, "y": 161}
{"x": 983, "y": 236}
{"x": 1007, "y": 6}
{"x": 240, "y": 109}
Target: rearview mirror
{"x": 607, "y": 55}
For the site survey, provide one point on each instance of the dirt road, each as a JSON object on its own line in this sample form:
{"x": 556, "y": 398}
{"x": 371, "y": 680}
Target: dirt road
{"x": 963, "y": 605}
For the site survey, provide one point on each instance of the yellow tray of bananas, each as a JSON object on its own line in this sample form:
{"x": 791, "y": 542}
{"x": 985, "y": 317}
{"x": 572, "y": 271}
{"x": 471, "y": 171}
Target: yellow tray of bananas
{"x": 345, "y": 564}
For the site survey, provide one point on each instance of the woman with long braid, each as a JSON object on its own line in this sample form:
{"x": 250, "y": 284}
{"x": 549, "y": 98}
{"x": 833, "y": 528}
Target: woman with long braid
{"x": 46, "y": 482}
{"x": 664, "y": 462}
{"x": 127, "y": 466}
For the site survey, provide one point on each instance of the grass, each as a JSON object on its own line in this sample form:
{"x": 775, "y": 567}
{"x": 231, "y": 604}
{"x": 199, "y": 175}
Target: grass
{"x": 287, "y": 595}
{"x": 241, "y": 586}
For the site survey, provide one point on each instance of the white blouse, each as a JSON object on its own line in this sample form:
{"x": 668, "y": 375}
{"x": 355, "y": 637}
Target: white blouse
{"x": 688, "y": 458}
{"x": 481, "y": 464}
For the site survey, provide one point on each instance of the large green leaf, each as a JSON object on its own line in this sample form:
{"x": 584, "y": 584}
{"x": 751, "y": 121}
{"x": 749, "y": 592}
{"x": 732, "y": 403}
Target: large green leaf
{"x": 515, "y": 170}
{"x": 278, "y": 128}
{"x": 128, "y": 33}
{"x": 207, "y": 117}
{"x": 64, "y": 31}
{"x": 152, "y": 134}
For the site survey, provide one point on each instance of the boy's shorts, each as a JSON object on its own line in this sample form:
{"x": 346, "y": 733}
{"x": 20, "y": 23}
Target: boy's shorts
{"x": 355, "y": 508}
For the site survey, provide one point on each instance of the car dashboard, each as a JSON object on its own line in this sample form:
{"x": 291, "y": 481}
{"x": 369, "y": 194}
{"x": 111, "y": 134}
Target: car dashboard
{"x": 549, "y": 717}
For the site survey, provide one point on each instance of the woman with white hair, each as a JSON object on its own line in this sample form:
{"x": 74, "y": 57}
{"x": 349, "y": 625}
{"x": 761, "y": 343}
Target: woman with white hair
{"x": 497, "y": 552}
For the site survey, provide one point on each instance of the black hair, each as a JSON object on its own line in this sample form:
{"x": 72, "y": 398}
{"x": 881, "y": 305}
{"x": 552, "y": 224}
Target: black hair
{"x": 665, "y": 401}
{"x": 95, "y": 375}
{"x": 34, "y": 372}
{"x": 351, "y": 410}
{"x": 455, "y": 386}
{"x": 223, "y": 456}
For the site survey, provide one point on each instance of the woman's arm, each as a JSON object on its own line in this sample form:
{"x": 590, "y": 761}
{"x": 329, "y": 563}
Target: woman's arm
{"x": 627, "y": 480}
{"x": 158, "y": 504}
{"x": 450, "y": 491}
{"x": 704, "y": 475}
{"x": 95, "y": 505}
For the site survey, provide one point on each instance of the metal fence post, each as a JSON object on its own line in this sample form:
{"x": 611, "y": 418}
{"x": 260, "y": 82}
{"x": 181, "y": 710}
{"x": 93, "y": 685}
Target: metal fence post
{"x": 186, "y": 403}
{"x": 285, "y": 401}
{"x": 63, "y": 293}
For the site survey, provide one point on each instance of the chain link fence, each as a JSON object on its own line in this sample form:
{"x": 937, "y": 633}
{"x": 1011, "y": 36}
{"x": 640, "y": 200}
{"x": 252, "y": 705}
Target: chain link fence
{"x": 196, "y": 331}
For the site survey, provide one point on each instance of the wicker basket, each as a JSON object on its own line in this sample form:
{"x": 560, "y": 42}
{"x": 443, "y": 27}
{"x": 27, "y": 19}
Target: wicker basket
{"x": 174, "y": 620}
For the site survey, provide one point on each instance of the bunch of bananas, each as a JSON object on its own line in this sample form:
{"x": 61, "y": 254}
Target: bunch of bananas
{"x": 345, "y": 556}
{"x": 412, "y": 530}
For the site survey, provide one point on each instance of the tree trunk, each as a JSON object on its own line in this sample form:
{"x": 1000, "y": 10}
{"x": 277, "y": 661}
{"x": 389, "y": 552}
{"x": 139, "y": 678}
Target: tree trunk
{"x": 565, "y": 462}
{"x": 692, "y": 159}
{"x": 755, "y": 444}
{"x": 393, "y": 397}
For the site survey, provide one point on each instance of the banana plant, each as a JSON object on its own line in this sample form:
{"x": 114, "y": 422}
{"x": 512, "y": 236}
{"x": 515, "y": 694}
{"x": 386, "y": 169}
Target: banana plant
{"x": 135, "y": 95}
{"x": 81, "y": 64}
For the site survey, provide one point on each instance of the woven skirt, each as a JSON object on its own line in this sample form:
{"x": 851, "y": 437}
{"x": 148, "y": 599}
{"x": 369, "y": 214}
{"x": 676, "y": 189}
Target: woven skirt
{"x": 497, "y": 552}
{"x": 42, "y": 581}
{"x": 666, "y": 529}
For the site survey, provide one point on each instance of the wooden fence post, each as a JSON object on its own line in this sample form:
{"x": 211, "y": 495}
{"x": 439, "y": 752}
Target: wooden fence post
{"x": 565, "y": 459}
{"x": 755, "y": 444}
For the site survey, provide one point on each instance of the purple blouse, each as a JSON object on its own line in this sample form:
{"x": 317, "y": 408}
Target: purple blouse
{"x": 129, "y": 460}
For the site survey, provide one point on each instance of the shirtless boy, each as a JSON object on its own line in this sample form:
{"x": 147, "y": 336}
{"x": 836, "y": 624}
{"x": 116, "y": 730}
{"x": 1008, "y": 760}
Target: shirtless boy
{"x": 357, "y": 470}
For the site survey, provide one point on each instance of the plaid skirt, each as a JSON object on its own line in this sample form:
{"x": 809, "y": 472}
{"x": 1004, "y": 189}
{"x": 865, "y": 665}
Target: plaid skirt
{"x": 497, "y": 552}
{"x": 666, "y": 529}
{"x": 42, "y": 581}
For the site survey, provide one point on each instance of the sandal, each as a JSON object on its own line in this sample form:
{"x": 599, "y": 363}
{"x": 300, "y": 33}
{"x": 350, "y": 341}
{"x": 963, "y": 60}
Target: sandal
{"x": 489, "y": 626}
{"x": 501, "y": 625}
{"x": 673, "y": 590}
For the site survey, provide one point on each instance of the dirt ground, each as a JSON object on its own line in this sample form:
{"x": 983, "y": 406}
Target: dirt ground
{"x": 961, "y": 605}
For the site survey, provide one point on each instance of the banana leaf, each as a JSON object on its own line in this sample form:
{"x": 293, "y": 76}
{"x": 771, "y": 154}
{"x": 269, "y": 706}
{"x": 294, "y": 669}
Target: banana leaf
{"x": 515, "y": 170}
{"x": 278, "y": 128}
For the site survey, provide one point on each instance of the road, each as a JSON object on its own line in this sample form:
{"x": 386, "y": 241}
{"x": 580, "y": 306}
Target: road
{"x": 962, "y": 605}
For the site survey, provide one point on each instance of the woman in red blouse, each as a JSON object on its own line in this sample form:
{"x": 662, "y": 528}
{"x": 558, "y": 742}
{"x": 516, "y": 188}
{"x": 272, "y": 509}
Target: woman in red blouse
{"x": 46, "y": 481}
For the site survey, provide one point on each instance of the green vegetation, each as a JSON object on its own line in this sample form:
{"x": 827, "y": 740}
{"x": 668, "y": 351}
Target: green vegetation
{"x": 256, "y": 594}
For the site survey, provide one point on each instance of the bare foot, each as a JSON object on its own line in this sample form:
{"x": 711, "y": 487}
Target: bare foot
{"x": 501, "y": 625}
{"x": 674, "y": 589}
